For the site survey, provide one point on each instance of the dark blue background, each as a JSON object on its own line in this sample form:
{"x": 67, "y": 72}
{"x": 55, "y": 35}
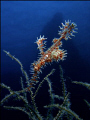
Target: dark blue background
{"x": 21, "y": 23}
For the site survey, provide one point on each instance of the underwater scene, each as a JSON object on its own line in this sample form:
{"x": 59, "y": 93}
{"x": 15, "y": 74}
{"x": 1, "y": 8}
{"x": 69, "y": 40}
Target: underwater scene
{"x": 45, "y": 60}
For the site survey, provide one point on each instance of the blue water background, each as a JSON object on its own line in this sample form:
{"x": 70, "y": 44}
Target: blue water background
{"x": 21, "y": 23}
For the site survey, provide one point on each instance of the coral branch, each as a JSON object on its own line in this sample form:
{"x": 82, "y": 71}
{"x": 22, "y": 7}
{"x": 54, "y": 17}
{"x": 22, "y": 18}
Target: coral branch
{"x": 40, "y": 84}
{"x": 21, "y": 66}
{"x": 87, "y": 103}
{"x": 87, "y": 85}
{"x": 69, "y": 111}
